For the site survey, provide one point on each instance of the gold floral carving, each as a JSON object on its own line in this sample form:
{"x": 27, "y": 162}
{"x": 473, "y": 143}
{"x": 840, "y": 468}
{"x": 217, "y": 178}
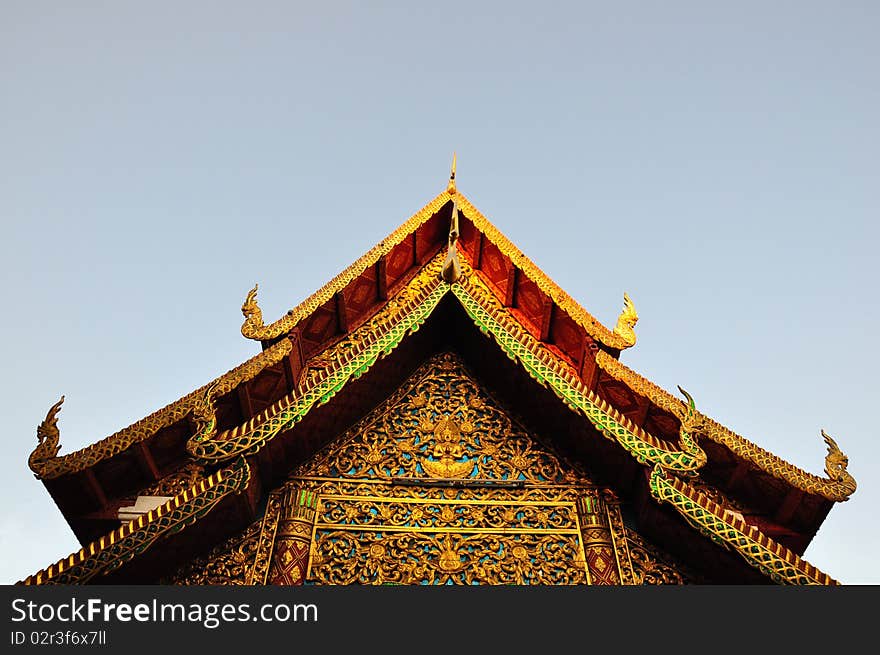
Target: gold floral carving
{"x": 227, "y": 564}
{"x": 351, "y": 557}
{"x": 568, "y": 493}
{"x": 839, "y": 485}
{"x": 259, "y": 573}
{"x": 619, "y": 538}
{"x": 45, "y": 463}
{"x": 174, "y": 483}
{"x": 654, "y": 567}
{"x": 442, "y": 418}
{"x": 390, "y": 512}
{"x": 511, "y": 514}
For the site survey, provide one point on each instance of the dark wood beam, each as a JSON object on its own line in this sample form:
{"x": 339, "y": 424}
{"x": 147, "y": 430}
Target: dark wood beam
{"x": 382, "y": 278}
{"x": 510, "y": 292}
{"x": 789, "y": 506}
{"x": 415, "y": 242}
{"x": 478, "y": 251}
{"x": 738, "y": 474}
{"x": 254, "y": 490}
{"x": 244, "y": 401}
{"x": 638, "y": 417}
{"x": 293, "y": 363}
{"x": 95, "y": 487}
{"x": 589, "y": 370}
{"x": 341, "y": 312}
{"x": 547, "y": 306}
{"x": 147, "y": 461}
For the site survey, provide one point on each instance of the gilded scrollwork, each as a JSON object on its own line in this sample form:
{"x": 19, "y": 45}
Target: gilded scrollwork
{"x": 507, "y": 516}
{"x": 350, "y": 557}
{"x": 174, "y": 483}
{"x": 440, "y": 424}
{"x": 226, "y": 564}
{"x": 259, "y": 573}
{"x": 374, "y": 488}
{"x": 653, "y": 567}
{"x": 459, "y": 515}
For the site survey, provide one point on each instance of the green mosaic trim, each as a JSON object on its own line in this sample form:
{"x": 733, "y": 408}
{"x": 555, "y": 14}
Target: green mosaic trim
{"x": 132, "y": 539}
{"x": 251, "y": 437}
{"x": 552, "y": 375}
{"x": 774, "y": 565}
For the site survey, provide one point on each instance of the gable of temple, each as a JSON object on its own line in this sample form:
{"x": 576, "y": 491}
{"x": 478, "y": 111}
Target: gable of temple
{"x": 439, "y": 485}
{"x": 440, "y": 412}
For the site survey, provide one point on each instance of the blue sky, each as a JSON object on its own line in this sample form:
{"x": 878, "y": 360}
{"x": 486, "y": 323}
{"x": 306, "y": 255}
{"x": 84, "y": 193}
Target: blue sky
{"x": 717, "y": 161}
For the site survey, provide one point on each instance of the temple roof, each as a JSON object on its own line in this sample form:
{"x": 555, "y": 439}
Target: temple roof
{"x": 318, "y": 350}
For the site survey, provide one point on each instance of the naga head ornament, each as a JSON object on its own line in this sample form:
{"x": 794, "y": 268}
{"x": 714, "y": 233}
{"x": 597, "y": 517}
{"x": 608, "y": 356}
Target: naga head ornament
{"x": 626, "y": 322}
{"x": 251, "y": 310}
{"x": 692, "y": 424}
{"x": 835, "y": 461}
{"x": 48, "y": 437}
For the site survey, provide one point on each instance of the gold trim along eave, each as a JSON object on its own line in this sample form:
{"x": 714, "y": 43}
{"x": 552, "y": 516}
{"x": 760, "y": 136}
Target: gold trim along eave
{"x": 46, "y": 464}
{"x": 131, "y": 539}
{"x": 771, "y": 558}
{"x": 621, "y": 337}
{"x": 838, "y": 487}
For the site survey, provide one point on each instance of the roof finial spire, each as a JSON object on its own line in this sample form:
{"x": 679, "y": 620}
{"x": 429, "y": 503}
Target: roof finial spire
{"x": 450, "y": 188}
{"x": 451, "y": 272}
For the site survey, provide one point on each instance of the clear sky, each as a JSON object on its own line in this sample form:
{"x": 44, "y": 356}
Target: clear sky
{"x": 717, "y": 161}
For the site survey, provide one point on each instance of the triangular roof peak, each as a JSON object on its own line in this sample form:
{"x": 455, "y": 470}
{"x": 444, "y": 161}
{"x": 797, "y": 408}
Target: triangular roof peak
{"x": 669, "y": 463}
{"x": 341, "y": 333}
{"x": 618, "y": 338}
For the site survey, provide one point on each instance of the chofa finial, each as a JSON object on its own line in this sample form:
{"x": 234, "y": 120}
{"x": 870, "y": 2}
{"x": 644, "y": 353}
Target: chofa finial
{"x": 626, "y": 322}
{"x": 450, "y": 188}
{"x": 836, "y": 462}
{"x": 48, "y": 437}
{"x": 253, "y": 315}
{"x": 451, "y": 272}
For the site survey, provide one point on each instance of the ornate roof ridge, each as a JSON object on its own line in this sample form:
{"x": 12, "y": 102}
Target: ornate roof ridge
{"x": 132, "y": 538}
{"x": 839, "y": 486}
{"x": 386, "y": 329}
{"x": 46, "y": 464}
{"x": 374, "y": 339}
{"x": 380, "y": 336}
{"x": 621, "y": 337}
{"x": 771, "y": 558}
{"x": 253, "y": 327}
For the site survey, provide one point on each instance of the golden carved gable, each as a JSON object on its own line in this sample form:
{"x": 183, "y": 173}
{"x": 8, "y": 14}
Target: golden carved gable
{"x": 437, "y": 485}
{"x": 441, "y": 424}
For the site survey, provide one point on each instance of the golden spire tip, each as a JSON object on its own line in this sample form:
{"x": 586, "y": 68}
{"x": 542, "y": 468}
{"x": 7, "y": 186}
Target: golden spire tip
{"x": 450, "y": 188}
